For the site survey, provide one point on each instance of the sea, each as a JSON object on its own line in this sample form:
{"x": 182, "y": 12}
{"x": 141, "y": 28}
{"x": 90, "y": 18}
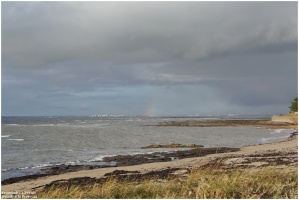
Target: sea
{"x": 31, "y": 144}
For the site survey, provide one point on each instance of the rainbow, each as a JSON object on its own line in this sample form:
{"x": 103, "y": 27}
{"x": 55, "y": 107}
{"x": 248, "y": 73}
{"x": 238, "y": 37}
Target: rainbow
{"x": 150, "y": 108}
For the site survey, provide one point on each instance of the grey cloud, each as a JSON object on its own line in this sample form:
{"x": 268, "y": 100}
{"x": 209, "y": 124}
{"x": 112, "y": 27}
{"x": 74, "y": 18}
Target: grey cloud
{"x": 245, "y": 52}
{"x": 141, "y": 31}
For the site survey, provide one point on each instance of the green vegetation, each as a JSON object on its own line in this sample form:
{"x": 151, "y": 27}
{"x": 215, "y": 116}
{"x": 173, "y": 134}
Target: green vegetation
{"x": 294, "y": 105}
{"x": 201, "y": 183}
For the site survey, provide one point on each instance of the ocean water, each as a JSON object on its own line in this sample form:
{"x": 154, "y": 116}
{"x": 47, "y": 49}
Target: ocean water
{"x": 30, "y": 144}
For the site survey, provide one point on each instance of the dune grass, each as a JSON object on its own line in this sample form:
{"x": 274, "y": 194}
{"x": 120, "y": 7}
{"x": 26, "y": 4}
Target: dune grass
{"x": 201, "y": 183}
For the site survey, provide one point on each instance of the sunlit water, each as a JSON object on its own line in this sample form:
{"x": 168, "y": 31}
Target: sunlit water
{"x": 30, "y": 144}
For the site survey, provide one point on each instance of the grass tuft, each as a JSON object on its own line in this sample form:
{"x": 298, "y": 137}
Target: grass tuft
{"x": 201, "y": 183}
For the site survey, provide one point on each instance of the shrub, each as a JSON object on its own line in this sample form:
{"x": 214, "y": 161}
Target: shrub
{"x": 294, "y": 105}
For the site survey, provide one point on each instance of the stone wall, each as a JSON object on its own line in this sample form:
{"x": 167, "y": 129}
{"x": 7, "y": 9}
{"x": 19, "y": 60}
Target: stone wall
{"x": 292, "y": 119}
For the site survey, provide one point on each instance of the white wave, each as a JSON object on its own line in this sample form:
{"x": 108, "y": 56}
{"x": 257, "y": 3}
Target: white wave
{"x": 283, "y": 131}
{"x": 16, "y": 139}
{"x": 130, "y": 120}
{"x": 150, "y": 152}
{"x": 11, "y": 124}
{"x": 5, "y": 170}
{"x": 71, "y": 150}
{"x": 18, "y": 168}
{"x": 273, "y": 138}
{"x": 43, "y": 125}
{"x": 99, "y": 158}
{"x": 277, "y": 131}
{"x": 5, "y": 135}
{"x": 72, "y": 162}
{"x": 21, "y": 168}
{"x": 42, "y": 165}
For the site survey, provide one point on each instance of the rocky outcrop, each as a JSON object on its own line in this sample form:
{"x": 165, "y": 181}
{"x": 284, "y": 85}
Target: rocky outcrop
{"x": 232, "y": 123}
{"x": 172, "y": 145}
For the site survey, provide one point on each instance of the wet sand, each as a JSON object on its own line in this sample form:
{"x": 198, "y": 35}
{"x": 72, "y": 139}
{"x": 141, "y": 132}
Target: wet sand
{"x": 282, "y": 155}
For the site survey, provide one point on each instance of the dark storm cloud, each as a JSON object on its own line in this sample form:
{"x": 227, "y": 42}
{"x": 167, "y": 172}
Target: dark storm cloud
{"x": 39, "y": 32}
{"x": 74, "y": 51}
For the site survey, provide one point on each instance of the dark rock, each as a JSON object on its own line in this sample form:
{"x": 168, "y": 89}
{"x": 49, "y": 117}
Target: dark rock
{"x": 173, "y": 145}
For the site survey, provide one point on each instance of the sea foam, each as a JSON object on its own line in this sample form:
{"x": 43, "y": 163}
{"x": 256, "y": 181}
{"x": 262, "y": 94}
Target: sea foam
{"x": 16, "y": 140}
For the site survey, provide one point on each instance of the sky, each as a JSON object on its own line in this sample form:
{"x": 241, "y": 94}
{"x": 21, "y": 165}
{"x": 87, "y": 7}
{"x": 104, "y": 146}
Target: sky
{"x": 148, "y": 58}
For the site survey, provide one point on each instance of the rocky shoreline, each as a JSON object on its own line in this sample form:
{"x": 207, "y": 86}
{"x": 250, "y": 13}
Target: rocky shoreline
{"x": 278, "y": 156}
{"x": 173, "y": 145}
{"x": 127, "y": 160}
{"x": 130, "y": 160}
{"x": 231, "y": 122}
{"x": 170, "y": 164}
{"x": 270, "y": 158}
{"x": 274, "y": 159}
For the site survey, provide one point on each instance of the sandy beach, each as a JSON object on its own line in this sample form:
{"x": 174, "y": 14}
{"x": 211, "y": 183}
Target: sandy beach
{"x": 281, "y": 155}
